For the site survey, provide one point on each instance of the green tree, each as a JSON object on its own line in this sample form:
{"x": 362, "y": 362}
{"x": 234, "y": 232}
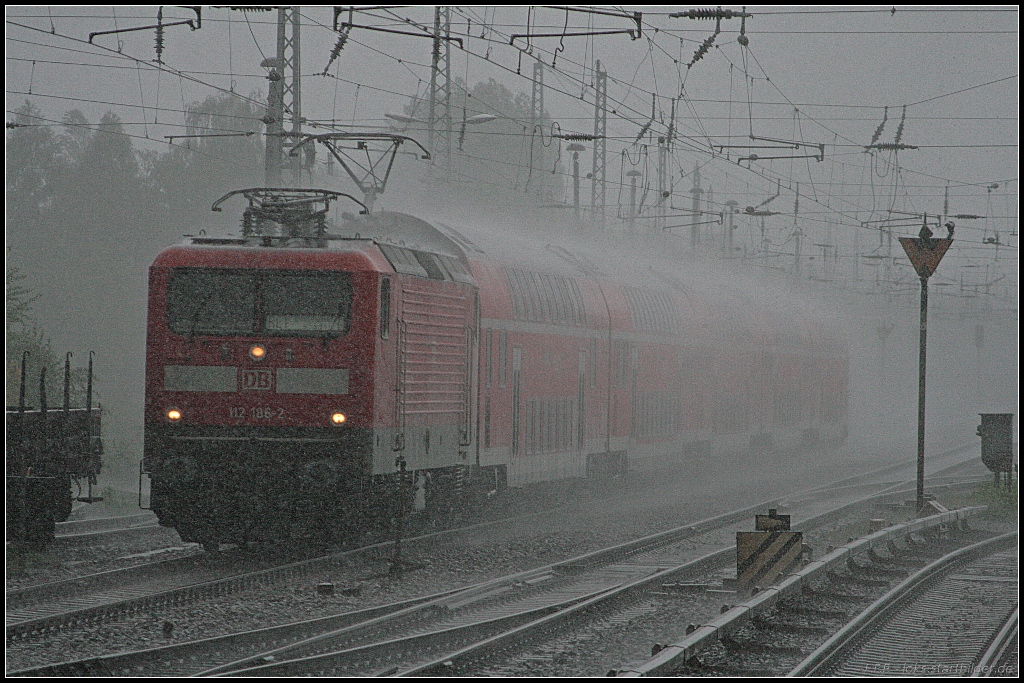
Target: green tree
{"x": 31, "y": 160}
{"x": 491, "y": 162}
{"x": 75, "y": 138}
{"x": 226, "y": 154}
{"x": 23, "y": 334}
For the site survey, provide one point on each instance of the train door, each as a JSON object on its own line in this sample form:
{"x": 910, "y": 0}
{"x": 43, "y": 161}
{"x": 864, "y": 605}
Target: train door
{"x": 401, "y": 371}
{"x": 472, "y": 332}
{"x": 517, "y": 373}
{"x": 581, "y": 420}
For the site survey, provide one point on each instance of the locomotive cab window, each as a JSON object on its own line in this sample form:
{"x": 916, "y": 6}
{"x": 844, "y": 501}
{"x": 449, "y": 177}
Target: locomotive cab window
{"x": 296, "y": 303}
{"x": 211, "y": 301}
{"x": 278, "y": 303}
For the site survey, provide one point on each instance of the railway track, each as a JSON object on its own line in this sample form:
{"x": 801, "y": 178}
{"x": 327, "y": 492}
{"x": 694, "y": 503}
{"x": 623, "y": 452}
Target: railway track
{"x": 411, "y": 631}
{"x": 105, "y": 605}
{"x": 106, "y": 595}
{"x": 770, "y": 635}
{"x": 956, "y": 616}
{"x": 101, "y": 530}
{"x": 101, "y": 524}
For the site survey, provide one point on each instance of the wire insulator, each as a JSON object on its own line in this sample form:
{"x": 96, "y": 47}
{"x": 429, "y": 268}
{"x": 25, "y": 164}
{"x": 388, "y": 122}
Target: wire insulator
{"x": 705, "y": 14}
{"x": 701, "y": 51}
{"x": 878, "y": 131}
{"x": 903, "y": 120}
{"x": 338, "y": 47}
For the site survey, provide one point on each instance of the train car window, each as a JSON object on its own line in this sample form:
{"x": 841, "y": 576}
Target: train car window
{"x": 385, "y": 307}
{"x": 622, "y": 363}
{"x": 489, "y": 350}
{"x": 430, "y": 265}
{"x": 530, "y": 292}
{"x": 564, "y": 301}
{"x": 545, "y": 298}
{"x": 296, "y": 303}
{"x": 531, "y": 428}
{"x": 487, "y": 422}
{"x": 593, "y": 362}
{"x": 502, "y": 358}
{"x": 518, "y": 307}
{"x": 542, "y": 298}
{"x": 402, "y": 260}
{"x": 456, "y": 269}
{"x": 553, "y": 312}
{"x": 652, "y": 311}
{"x": 211, "y": 301}
{"x": 561, "y": 419}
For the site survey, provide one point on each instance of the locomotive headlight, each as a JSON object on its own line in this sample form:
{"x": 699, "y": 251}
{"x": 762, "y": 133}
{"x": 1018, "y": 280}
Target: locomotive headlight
{"x": 173, "y": 415}
{"x": 257, "y": 352}
{"x": 338, "y": 418}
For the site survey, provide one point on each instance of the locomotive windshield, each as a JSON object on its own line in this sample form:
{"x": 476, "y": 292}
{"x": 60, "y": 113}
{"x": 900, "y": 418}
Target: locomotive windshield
{"x": 281, "y": 303}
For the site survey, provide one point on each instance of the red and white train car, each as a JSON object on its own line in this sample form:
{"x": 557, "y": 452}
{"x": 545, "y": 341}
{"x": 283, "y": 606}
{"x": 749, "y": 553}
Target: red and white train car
{"x": 287, "y": 380}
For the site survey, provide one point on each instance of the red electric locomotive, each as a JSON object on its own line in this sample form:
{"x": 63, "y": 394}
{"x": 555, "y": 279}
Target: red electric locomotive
{"x": 290, "y": 372}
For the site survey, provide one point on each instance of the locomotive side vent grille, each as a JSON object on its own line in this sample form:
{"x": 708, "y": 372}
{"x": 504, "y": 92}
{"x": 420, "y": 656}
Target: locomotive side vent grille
{"x": 436, "y": 359}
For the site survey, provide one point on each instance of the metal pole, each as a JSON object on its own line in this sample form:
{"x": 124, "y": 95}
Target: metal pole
{"x": 598, "y": 187}
{"x": 396, "y": 560}
{"x": 920, "y": 393}
{"x": 576, "y": 184}
{"x": 696, "y": 192}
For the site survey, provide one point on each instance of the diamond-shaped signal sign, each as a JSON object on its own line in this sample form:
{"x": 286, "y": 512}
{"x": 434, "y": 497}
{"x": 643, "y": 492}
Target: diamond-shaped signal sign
{"x": 925, "y": 253}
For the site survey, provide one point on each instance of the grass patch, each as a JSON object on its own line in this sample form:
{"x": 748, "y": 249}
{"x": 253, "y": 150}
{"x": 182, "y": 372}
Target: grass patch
{"x": 1001, "y": 501}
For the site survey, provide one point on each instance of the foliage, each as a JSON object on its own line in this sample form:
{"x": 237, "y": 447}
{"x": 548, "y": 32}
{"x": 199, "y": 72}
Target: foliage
{"x": 1001, "y": 501}
{"x": 31, "y": 163}
{"x": 87, "y": 212}
{"x": 18, "y": 299}
{"x": 23, "y": 335}
{"x": 492, "y": 162}
{"x": 191, "y": 176}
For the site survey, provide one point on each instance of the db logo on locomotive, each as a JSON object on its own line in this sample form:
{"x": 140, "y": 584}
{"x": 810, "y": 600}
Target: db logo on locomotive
{"x": 258, "y": 380}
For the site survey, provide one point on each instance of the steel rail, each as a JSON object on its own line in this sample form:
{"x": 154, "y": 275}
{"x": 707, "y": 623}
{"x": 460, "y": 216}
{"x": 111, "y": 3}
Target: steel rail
{"x": 83, "y": 526}
{"x": 989, "y": 661}
{"x": 126, "y": 600}
{"x": 839, "y": 645}
{"x": 193, "y": 592}
{"x": 612, "y": 554}
{"x": 341, "y": 661}
{"x": 739, "y": 615}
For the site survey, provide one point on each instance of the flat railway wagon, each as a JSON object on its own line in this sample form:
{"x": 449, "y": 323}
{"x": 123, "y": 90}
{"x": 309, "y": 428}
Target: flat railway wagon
{"x": 49, "y": 451}
{"x": 291, "y": 373}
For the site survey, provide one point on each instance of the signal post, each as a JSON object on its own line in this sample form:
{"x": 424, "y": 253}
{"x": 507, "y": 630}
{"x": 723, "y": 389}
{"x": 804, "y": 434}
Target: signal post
{"x": 924, "y": 253}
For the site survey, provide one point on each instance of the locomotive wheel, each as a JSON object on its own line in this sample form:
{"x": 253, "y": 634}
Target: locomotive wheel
{"x": 39, "y": 524}
{"x": 210, "y": 543}
{"x": 62, "y": 497}
{"x": 444, "y": 498}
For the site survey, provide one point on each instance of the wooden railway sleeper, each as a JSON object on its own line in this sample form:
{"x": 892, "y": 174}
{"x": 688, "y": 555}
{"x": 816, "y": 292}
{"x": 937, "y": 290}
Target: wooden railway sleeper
{"x": 763, "y": 623}
{"x": 752, "y": 645}
{"x": 881, "y": 559}
{"x": 802, "y": 609}
{"x": 915, "y": 540}
{"x": 836, "y": 579}
{"x": 878, "y": 568}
